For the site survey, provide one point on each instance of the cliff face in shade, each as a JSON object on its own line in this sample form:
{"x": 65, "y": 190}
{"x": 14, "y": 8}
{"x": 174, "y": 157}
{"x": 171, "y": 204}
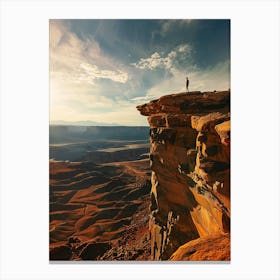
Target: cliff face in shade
{"x": 190, "y": 162}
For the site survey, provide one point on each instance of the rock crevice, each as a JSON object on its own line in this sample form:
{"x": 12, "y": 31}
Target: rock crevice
{"x": 190, "y": 163}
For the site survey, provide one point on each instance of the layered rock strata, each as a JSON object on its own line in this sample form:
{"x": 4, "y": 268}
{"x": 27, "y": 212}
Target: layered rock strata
{"x": 190, "y": 163}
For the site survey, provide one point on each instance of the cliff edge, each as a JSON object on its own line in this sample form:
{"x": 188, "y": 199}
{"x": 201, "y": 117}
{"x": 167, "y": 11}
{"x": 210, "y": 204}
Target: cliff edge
{"x": 190, "y": 163}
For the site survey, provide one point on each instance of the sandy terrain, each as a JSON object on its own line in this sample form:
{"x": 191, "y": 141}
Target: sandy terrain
{"x": 99, "y": 211}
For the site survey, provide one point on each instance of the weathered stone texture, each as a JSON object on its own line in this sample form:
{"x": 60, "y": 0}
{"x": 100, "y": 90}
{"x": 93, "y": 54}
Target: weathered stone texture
{"x": 190, "y": 162}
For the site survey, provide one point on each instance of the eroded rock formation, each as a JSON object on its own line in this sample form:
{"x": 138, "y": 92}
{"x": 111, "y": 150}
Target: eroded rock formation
{"x": 190, "y": 162}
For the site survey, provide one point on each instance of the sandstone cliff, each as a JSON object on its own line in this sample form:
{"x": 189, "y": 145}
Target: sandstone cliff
{"x": 190, "y": 162}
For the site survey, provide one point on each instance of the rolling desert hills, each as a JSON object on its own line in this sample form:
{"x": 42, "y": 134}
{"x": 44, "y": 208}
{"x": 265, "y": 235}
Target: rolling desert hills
{"x": 99, "y": 212}
{"x": 99, "y": 193}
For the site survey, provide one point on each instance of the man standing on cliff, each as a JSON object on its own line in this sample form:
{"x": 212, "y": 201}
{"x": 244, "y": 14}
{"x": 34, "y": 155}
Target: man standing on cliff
{"x": 187, "y": 84}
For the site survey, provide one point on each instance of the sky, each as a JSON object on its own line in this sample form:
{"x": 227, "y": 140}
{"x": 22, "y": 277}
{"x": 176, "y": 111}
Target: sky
{"x": 100, "y": 70}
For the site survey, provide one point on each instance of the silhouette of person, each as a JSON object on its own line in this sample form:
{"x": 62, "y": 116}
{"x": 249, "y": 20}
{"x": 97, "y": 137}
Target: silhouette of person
{"x": 187, "y": 84}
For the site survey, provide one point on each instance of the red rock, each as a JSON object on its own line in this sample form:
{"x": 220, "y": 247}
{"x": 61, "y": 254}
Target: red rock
{"x": 157, "y": 120}
{"x": 210, "y": 248}
{"x": 191, "y": 103}
{"x": 178, "y": 120}
{"x": 190, "y": 162}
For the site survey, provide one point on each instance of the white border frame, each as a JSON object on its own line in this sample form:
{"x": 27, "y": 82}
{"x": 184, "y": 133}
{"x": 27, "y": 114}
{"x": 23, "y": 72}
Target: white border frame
{"x": 24, "y": 138}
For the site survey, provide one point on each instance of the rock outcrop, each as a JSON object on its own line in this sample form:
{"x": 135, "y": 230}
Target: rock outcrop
{"x": 190, "y": 162}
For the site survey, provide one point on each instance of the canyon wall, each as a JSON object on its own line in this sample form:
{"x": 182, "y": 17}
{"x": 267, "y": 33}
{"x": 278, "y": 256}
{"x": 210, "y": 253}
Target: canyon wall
{"x": 190, "y": 163}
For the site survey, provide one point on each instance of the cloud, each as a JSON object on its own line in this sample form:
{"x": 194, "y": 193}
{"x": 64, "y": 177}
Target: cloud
{"x": 79, "y": 60}
{"x": 92, "y": 72}
{"x": 141, "y": 98}
{"x": 84, "y": 81}
{"x": 157, "y": 61}
{"x": 183, "y": 48}
{"x": 169, "y": 25}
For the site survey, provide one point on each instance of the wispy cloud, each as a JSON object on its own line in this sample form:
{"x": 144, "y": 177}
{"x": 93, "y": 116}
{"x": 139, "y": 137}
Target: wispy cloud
{"x": 169, "y": 25}
{"x": 79, "y": 60}
{"x": 91, "y": 72}
{"x": 77, "y": 69}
